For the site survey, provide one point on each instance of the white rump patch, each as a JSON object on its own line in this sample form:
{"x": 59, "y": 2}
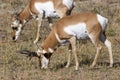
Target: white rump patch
{"x": 46, "y": 8}
{"x": 68, "y": 3}
{"x": 79, "y": 30}
{"x": 103, "y": 21}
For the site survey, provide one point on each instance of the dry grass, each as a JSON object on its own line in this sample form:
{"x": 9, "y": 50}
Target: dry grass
{"x": 16, "y": 66}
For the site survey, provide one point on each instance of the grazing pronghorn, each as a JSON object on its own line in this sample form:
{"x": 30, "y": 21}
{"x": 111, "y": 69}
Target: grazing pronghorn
{"x": 71, "y": 28}
{"x": 39, "y": 9}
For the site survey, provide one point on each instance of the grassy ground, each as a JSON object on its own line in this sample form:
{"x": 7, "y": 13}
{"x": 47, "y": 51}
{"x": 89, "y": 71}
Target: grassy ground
{"x": 16, "y": 66}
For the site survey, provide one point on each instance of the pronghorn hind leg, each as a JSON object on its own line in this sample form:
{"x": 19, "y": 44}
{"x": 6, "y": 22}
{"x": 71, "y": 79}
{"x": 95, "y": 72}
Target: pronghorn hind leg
{"x": 108, "y": 45}
{"x": 38, "y": 29}
{"x": 73, "y": 45}
{"x": 98, "y": 46}
{"x": 69, "y": 56}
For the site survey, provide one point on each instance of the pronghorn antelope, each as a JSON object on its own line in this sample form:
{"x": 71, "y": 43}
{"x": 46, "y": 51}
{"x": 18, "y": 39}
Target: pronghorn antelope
{"x": 71, "y": 28}
{"x": 39, "y": 9}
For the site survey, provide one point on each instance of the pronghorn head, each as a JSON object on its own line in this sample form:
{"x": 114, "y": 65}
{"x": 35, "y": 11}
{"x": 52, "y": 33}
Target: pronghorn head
{"x": 16, "y": 26}
{"x": 44, "y": 56}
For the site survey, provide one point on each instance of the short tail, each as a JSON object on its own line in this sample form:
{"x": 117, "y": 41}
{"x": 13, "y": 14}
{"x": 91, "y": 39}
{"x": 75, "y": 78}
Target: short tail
{"x": 103, "y": 21}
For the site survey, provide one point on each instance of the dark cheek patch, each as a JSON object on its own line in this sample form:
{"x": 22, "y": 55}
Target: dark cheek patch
{"x": 47, "y": 55}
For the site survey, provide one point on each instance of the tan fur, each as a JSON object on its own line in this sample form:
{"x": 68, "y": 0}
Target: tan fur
{"x": 30, "y": 11}
{"x": 94, "y": 30}
{"x": 50, "y": 42}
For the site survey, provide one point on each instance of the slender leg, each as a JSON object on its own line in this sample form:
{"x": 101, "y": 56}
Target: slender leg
{"x": 38, "y": 29}
{"x": 108, "y": 45}
{"x": 96, "y": 56}
{"x": 73, "y": 45}
{"x": 96, "y": 42}
{"x": 69, "y": 56}
{"x": 50, "y": 22}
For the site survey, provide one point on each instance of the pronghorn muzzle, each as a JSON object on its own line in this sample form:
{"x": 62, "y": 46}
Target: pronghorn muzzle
{"x": 16, "y": 32}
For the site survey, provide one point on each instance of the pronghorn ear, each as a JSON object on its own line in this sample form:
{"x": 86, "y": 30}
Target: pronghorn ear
{"x": 15, "y": 14}
{"x": 40, "y": 50}
{"x": 39, "y": 46}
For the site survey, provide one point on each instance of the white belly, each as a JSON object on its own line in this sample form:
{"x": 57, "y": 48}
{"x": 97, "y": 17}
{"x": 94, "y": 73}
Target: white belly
{"x": 79, "y": 30}
{"x": 46, "y": 8}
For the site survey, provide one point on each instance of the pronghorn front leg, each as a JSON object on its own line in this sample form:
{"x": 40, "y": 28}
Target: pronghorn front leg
{"x": 50, "y": 22}
{"x": 96, "y": 56}
{"x": 98, "y": 46}
{"x": 38, "y": 29}
{"x": 73, "y": 45}
{"x": 69, "y": 56}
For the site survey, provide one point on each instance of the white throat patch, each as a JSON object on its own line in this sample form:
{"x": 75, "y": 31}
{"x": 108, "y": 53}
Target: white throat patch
{"x": 50, "y": 50}
{"x": 41, "y": 51}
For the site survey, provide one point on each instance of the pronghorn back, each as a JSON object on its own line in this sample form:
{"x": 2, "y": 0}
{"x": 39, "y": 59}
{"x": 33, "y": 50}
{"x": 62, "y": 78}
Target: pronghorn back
{"x": 56, "y": 8}
{"x": 40, "y": 9}
{"x": 80, "y": 25}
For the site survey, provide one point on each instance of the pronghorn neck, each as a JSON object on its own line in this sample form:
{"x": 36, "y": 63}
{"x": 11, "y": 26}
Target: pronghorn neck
{"x": 50, "y": 43}
{"x": 24, "y": 15}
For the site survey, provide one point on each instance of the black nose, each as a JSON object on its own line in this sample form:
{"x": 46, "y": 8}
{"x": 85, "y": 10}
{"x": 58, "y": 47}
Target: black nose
{"x": 14, "y": 38}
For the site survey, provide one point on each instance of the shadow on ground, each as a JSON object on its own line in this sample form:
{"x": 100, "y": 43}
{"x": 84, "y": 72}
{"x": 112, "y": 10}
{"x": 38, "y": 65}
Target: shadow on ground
{"x": 28, "y": 53}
